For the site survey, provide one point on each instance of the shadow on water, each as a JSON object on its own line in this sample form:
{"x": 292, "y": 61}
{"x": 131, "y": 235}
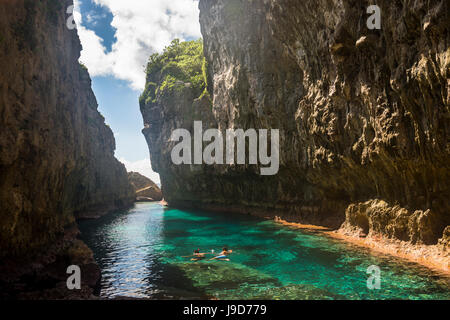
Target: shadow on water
{"x": 171, "y": 283}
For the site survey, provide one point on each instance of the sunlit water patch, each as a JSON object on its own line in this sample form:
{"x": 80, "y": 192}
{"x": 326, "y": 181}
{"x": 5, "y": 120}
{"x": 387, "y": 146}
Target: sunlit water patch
{"x": 142, "y": 254}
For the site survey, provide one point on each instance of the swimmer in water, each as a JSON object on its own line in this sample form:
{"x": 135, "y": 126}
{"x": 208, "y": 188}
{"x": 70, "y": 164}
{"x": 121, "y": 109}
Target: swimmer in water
{"x": 198, "y": 255}
{"x": 223, "y": 255}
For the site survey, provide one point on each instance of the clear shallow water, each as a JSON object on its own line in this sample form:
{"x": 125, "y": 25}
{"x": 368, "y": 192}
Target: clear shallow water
{"x": 141, "y": 251}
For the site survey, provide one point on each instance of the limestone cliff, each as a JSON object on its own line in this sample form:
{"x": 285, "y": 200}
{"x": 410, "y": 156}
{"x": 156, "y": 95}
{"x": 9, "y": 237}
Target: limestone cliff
{"x": 145, "y": 189}
{"x": 364, "y": 114}
{"x": 56, "y": 153}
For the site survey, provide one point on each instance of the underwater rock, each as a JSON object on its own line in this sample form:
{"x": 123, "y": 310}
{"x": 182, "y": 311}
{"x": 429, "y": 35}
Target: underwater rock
{"x": 224, "y": 275}
{"x": 248, "y": 283}
{"x": 291, "y": 292}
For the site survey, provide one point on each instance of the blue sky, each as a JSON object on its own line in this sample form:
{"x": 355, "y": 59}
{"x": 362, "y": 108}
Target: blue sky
{"x": 118, "y": 37}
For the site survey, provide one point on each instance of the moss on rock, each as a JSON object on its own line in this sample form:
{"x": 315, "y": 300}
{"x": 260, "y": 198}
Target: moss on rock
{"x": 181, "y": 64}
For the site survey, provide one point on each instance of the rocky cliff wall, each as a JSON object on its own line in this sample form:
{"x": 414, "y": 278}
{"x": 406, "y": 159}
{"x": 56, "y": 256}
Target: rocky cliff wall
{"x": 364, "y": 114}
{"x": 145, "y": 188}
{"x": 56, "y": 153}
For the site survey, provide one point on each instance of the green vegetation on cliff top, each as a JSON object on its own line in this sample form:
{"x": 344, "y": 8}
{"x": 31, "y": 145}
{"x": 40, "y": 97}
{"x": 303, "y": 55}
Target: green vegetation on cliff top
{"x": 179, "y": 64}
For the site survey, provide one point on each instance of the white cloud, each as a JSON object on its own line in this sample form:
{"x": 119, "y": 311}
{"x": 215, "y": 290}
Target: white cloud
{"x": 143, "y": 167}
{"x": 142, "y": 28}
{"x": 93, "y": 18}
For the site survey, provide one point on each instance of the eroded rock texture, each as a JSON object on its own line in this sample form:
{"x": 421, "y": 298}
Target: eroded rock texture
{"x": 145, "y": 189}
{"x": 56, "y": 153}
{"x": 363, "y": 114}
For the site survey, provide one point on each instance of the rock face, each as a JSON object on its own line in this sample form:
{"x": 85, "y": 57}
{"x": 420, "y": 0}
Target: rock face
{"x": 363, "y": 114}
{"x": 145, "y": 189}
{"x": 56, "y": 153}
{"x": 377, "y": 217}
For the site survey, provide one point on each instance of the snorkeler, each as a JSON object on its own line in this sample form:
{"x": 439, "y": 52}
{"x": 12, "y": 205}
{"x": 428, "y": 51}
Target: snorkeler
{"x": 223, "y": 255}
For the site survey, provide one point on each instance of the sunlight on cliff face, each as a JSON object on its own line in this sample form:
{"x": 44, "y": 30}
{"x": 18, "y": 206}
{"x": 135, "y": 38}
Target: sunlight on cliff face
{"x": 143, "y": 167}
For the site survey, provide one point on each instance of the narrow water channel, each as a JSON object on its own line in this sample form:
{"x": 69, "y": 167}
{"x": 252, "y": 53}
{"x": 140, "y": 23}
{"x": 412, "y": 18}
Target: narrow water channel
{"x": 141, "y": 253}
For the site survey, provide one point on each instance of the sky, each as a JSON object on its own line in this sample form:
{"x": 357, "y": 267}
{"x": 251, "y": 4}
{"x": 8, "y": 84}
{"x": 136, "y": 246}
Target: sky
{"x": 118, "y": 37}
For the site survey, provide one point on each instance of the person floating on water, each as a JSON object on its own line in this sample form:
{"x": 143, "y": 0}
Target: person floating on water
{"x": 223, "y": 255}
{"x": 199, "y": 255}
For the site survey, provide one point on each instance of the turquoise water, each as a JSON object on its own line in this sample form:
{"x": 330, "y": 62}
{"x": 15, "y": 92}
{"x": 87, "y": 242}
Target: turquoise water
{"x": 141, "y": 251}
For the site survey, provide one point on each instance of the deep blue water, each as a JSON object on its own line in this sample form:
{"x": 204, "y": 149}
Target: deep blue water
{"x": 141, "y": 253}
